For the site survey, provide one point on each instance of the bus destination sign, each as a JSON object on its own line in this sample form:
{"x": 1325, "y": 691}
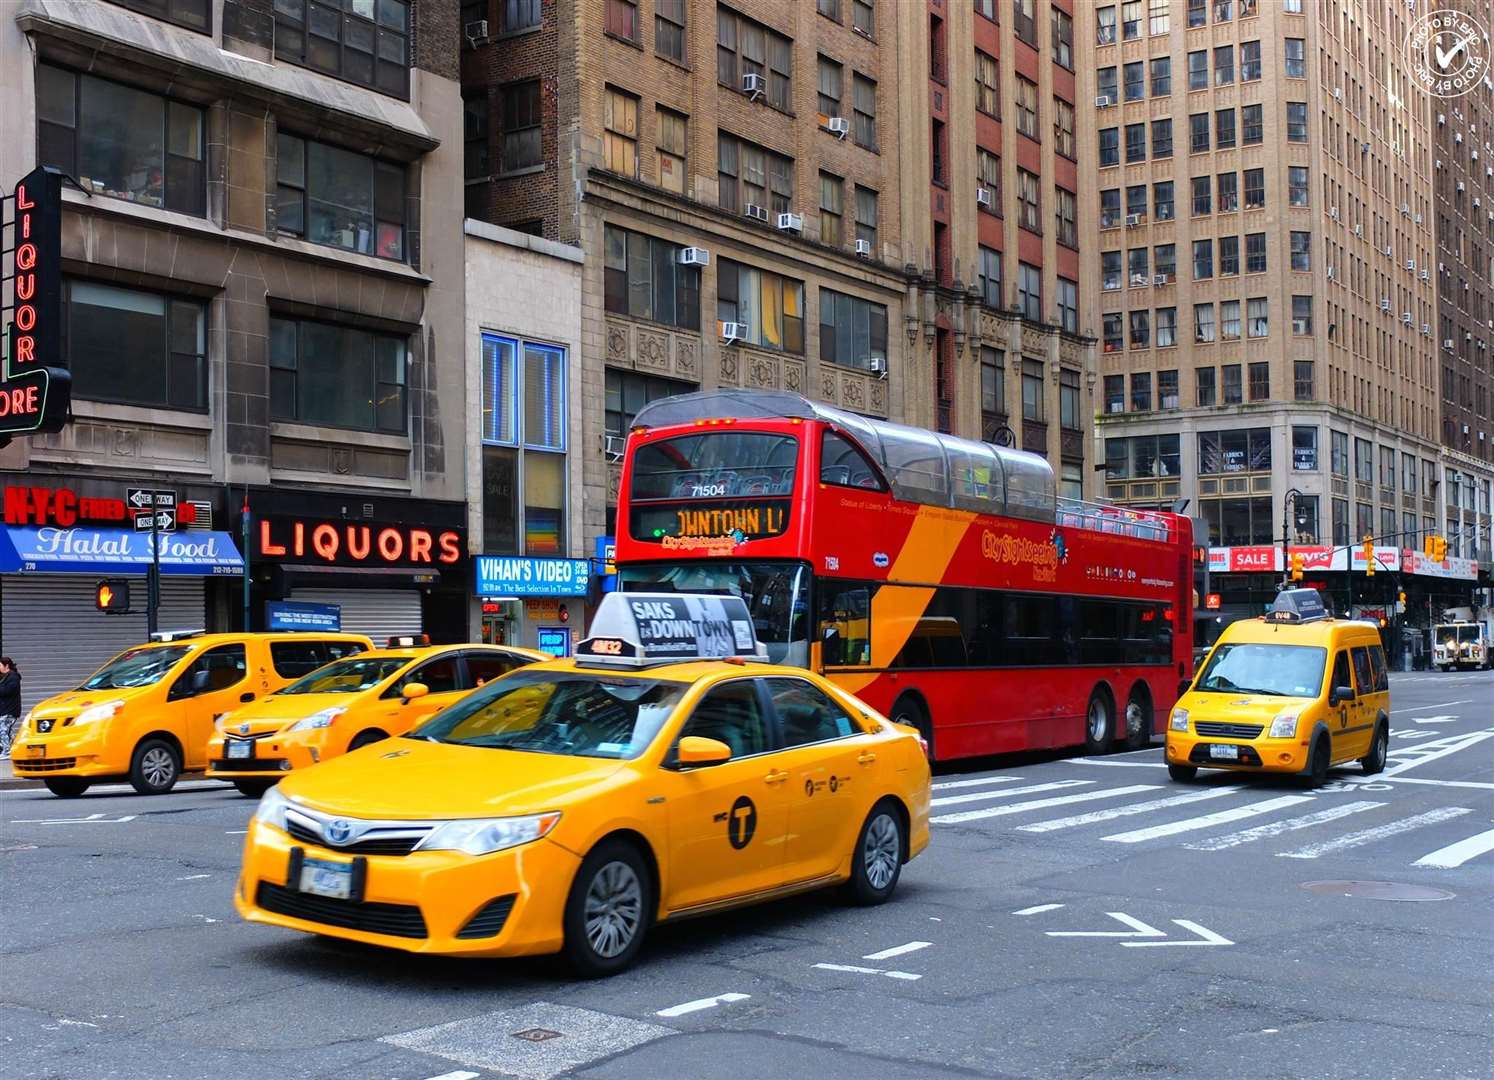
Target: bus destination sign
{"x": 697, "y": 526}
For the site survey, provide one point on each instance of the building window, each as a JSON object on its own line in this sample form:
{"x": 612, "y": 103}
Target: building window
{"x": 1023, "y": 21}
{"x": 1135, "y": 143}
{"x": 673, "y": 141}
{"x": 121, "y": 142}
{"x": 1203, "y": 259}
{"x": 1296, "y": 58}
{"x": 1110, "y": 208}
{"x": 1161, "y": 76}
{"x": 938, "y": 153}
{"x": 1029, "y": 202}
{"x": 1387, "y": 473}
{"x": 1303, "y": 388}
{"x": 669, "y": 29}
{"x": 1110, "y": 270}
{"x": 1109, "y": 146}
{"x": 1104, "y": 26}
{"x": 1068, "y": 305}
{"x": 1224, "y": 129}
{"x": 832, "y": 190}
{"x": 134, "y": 347}
{"x": 620, "y": 139}
{"x": 1302, "y": 315}
{"x": 1250, "y": 61}
{"x": 1222, "y": 9}
{"x": 830, "y": 76}
{"x": 1229, "y": 256}
{"x": 990, "y": 277}
{"x": 1224, "y": 65}
{"x": 1063, "y": 127}
{"x": 1070, "y": 415}
{"x": 1260, "y": 381}
{"x": 1198, "y": 14}
{"x": 1032, "y": 390}
{"x": 1143, "y": 457}
{"x": 1167, "y": 327}
{"x": 1255, "y": 253}
{"x": 1030, "y": 291}
{"x": 1158, "y": 16}
{"x": 1339, "y": 452}
{"x": 1238, "y": 450}
{"x": 477, "y": 164}
{"x": 1204, "y": 383}
{"x": 1114, "y": 331}
{"x": 332, "y": 196}
{"x": 1136, "y": 200}
{"x": 992, "y": 388}
{"x": 337, "y": 376}
{"x": 1255, "y": 189}
{"x": 1301, "y": 250}
{"x": 1115, "y": 397}
{"x": 1340, "y": 522}
{"x": 1141, "y": 391}
{"x": 864, "y": 92}
{"x": 745, "y": 47}
{"x": 1234, "y": 390}
{"x": 1135, "y": 80}
{"x": 853, "y": 332}
{"x": 1198, "y": 70}
{"x": 1203, "y": 324}
{"x": 748, "y": 175}
{"x": 1305, "y": 449}
{"x": 863, "y": 17}
{"x": 622, "y": 19}
{"x": 1203, "y": 196}
{"x": 770, "y": 304}
{"x": 866, "y": 216}
{"x": 365, "y": 45}
{"x": 644, "y": 280}
{"x": 1297, "y": 121}
{"x": 1229, "y": 191}
{"x": 1062, "y": 35}
{"x": 1107, "y": 85}
{"x": 1198, "y": 133}
{"x": 627, "y": 392}
{"x": 193, "y": 14}
{"x": 515, "y": 15}
{"x": 1162, "y": 200}
{"x": 1167, "y": 390}
{"x": 1162, "y": 138}
{"x": 988, "y": 84}
{"x": 1137, "y": 268}
{"x": 1256, "y": 313}
{"x": 522, "y": 146}
{"x": 1408, "y": 474}
{"x": 1131, "y": 19}
{"x": 1229, "y": 320}
{"x": 1141, "y": 329}
{"x": 1297, "y": 194}
{"x": 1252, "y": 129}
{"x": 523, "y": 435}
{"x": 1027, "y": 108}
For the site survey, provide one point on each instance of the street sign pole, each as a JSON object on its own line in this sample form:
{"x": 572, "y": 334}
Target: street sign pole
{"x": 245, "y": 517}
{"x": 153, "y": 585}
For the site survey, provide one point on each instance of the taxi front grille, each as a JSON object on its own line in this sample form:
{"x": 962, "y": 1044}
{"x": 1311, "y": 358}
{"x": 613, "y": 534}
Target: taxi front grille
{"x": 374, "y": 845}
{"x": 393, "y": 920}
{"x": 1228, "y": 731}
{"x": 56, "y": 764}
{"x": 489, "y": 920}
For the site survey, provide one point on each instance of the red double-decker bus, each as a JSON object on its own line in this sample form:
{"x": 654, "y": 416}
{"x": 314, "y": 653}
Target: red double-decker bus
{"x": 940, "y": 579}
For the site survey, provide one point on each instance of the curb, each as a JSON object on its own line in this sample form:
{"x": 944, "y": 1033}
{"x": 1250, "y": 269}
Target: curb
{"x": 11, "y": 782}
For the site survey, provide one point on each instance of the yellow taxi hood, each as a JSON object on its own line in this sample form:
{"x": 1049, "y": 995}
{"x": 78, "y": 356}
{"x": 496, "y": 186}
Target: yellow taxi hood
{"x": 410, "y": 779}
{"x": 72, "y": 702}
{"x": 1233, "y": 707}
{"x": 275, "y": 711}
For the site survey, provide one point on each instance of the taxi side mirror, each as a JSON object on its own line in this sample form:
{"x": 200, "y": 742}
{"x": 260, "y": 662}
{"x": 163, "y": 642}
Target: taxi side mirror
{"x": 1341, "y": 694}
{"x": 695, "y": 751}
{"x": 410, "y": 691}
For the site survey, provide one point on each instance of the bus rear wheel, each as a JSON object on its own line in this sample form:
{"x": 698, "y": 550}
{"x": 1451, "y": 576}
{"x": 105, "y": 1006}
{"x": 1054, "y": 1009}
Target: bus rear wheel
{"x": 1099, "y": 722}
{"x": 907, "y": 711}
{"x": 1138, "y": 721}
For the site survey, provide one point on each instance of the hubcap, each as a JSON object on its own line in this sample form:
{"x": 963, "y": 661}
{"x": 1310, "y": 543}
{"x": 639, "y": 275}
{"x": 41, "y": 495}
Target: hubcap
{"x": 158, "y": 766}
{"x": 881, "y": 851}
{"x": 1099, "y": 722}
{"x": 1380, "y": 749}
{"x": 614, "y": 909}
{"x": 1134, "y": 717}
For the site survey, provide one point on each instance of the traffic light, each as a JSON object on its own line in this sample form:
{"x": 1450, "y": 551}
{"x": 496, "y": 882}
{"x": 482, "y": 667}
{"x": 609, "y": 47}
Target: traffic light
{"x": 1369, "y": 555}
{"x": 1439, "y": 549}
{"x": 1299, "y": 566}
{"x": 112, "y": 596}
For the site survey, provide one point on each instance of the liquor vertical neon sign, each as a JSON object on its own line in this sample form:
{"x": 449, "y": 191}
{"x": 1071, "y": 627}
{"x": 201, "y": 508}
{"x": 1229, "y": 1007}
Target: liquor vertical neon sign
{"x": 35, "y": 391}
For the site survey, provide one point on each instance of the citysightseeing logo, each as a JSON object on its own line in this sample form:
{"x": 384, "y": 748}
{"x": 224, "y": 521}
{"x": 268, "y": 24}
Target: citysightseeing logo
{"x": 1009, "y": 550}
{"x": 1448, "y": 51}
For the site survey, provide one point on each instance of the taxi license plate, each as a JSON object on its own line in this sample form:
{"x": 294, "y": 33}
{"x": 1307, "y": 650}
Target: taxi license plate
{"x": 323, "y": 878}
{"x": 243, "y": 749}
{"x": 1225, "y": 753}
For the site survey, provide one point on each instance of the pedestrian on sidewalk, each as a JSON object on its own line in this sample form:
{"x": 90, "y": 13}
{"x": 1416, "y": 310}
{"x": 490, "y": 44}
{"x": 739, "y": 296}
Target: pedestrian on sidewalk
{"x": 10, "y": 703}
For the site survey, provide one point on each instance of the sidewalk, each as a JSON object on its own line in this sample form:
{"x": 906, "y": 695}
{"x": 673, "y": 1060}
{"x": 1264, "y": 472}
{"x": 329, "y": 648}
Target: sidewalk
{"x": 8, "y": 778}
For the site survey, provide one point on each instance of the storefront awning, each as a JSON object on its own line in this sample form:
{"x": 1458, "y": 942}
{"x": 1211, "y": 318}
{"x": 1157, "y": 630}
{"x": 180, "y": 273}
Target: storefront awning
{"x": 50, "y": 550}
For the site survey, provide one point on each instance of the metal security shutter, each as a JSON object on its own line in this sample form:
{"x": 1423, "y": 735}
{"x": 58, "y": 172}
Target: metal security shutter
{"x": 50, "y": 627}
{"x": 379, "y": 613}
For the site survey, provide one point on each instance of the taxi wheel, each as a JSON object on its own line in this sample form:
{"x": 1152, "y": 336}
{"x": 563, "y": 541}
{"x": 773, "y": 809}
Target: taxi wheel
{"x": 1374, "y": 761}
{"x": 66, "y": 787}
{"x": 253, "y": 788}
{"x": 155, "y": 767}
{"x": 1317, "y": 763}
{"x": 1183, "y": 774}
{"x": 877, "y": 862}
{"x": 608, "y": 911}
{"x": 1099, "y": 723}
{"x": 366, "y": 738}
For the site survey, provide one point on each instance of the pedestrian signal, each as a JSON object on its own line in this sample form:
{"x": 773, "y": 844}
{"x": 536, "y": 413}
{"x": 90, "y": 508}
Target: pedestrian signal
{"x": 112, "y": 596}
{"x": 1369, "y": 556}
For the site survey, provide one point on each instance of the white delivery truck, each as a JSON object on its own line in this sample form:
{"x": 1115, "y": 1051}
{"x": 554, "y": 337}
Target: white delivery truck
{"x": 1463, "y": 641}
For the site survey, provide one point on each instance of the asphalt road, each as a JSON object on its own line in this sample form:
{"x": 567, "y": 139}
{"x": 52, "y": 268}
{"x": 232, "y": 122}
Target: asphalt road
{"x": 1075, "y": 918}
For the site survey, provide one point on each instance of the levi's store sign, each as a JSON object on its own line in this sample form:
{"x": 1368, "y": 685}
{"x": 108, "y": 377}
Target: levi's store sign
{"x": 349, "y": 543}
{"x": 35, "y": 392}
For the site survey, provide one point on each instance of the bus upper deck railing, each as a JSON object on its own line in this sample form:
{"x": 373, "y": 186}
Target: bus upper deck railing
{"x": 1115, "y": 520}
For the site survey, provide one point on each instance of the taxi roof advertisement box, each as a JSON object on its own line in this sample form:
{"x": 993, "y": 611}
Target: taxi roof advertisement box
{"x": 669, "y": 626}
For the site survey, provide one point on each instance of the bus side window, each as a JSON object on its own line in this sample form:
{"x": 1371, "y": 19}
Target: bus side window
{"x": 845, "y": 624}
{"x": 843, "y": 465}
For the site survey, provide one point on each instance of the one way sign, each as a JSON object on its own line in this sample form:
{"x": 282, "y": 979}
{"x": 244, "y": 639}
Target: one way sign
{"x": 165, "y": 520}
{"x": 143, "y": 498}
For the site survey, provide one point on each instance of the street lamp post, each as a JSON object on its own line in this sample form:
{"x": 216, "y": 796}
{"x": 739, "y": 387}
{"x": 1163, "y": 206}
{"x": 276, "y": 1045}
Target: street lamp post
{"x": 1287, "y": 502}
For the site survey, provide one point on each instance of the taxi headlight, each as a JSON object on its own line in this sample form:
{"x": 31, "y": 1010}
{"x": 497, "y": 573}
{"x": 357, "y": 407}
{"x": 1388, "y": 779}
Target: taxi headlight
{"x": 103, "y": 711}
{"x": 318, "y": 719}
{"x": 1179, "y": 721}
{"x": 26, "y": 720}
{"x": 222, "y": 721}
{"x": 271, "y": 808}
{"x": 1285, "y": 725}
{"x": 482, "y": 836}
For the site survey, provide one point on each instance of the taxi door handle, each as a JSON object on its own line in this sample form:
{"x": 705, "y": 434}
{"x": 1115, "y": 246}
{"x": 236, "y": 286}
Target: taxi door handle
{"x": 775, "y": 777}
{"x": 866, "y": 757}
{"x": 247, "y": 696}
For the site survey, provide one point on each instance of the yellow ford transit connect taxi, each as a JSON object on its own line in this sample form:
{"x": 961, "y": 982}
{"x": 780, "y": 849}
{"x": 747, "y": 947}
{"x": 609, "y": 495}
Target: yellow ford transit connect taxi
{"x": 1294, "y": 691}
{"x": 148, "y": 713}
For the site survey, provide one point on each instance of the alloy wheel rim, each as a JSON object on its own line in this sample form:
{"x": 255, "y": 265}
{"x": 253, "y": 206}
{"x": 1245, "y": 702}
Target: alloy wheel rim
{"x": 1133, "y": 718}
{"x": 1098, "y": 721}
{"x": 613, "y": 910}
{"x": 881, "y": 851}
{"x": 157, "y": 766}
{"x": 1381, "y": 748}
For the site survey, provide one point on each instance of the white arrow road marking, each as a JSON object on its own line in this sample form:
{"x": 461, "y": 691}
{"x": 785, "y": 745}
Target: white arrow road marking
{"x": 698, "y": 1005}
{"x": 897, "y": 950}
{"x": 1206, "y": 936}
{"x": 91, "y": 819}
{"x": 1038, "y": 909}
{"x": 1038, "y": 804}
{"x": 1126, "y": 811}
{"x": 1138, "y": 929}
{"x": 1007, "y": 793}
{"x": 1422, "y": 753}
{"x": 1439, "y": 719}
{"x": 1380, "y": 832}
{"x": 1276, "y": 828}
{"x": 856, "y": 969}
{"x": 1457, "y": 854}
{"x": 460, "y": 1074}
{"x": 1208, "y": 821}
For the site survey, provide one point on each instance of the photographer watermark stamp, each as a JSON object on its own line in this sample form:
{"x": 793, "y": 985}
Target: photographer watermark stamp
{"x": 1449, "y": 52}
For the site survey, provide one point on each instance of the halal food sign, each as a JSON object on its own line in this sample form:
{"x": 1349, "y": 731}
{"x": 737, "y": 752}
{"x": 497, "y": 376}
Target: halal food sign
{"x": 34, "y": 390}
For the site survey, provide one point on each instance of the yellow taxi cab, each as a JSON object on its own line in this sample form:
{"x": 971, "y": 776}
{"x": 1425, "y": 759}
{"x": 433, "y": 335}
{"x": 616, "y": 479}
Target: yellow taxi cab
{"x": 1294, "y": 691}
{"x": 666, "y": 771}
{"x": 348, "y": 704}
{"x": 147, "y": 714}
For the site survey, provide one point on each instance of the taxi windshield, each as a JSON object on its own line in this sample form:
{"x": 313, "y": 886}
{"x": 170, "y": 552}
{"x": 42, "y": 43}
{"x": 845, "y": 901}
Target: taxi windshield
{"x": 137, "y": 667}
{"x": 559, "y": 713}
{"x": 1273, "y": 670}
{"x": 347, "y": 676}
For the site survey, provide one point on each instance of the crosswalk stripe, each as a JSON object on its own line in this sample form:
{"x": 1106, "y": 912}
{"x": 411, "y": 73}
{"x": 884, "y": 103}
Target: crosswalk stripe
{"x": 1125, "y": 811}
{"x": 1276, "y": 828}
{"x": 1040, "y": 804}
{"x": 1380, "y": 832}
{"x": 1222, "y": 817}
{"x": 979, "y": 781}
{"x": 1007, "y": 793}
{"x": 1457, "y": 854}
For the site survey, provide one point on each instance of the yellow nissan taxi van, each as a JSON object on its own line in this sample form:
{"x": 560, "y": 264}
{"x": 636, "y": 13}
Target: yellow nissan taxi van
{"x": 1294, "y": 691}
{"x": 147, "y": 714}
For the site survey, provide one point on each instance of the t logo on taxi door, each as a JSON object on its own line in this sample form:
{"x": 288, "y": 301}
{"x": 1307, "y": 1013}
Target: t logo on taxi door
{"x": 741, "y": 823}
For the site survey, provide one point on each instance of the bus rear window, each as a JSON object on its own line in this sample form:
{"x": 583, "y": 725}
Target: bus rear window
{"x": 715, "y": 465}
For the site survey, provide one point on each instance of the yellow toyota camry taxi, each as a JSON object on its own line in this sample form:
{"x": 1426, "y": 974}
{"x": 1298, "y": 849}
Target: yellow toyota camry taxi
{"x": 348, "y": 704}
{"x": 147, "y": 714}
{"x": 568, "y": 806}
{"x": 1294, "y": 691}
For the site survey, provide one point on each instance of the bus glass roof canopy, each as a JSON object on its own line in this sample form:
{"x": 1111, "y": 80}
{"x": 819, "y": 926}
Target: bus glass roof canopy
{"x": 638, "y": 629}
{"x": 921, "y": 466}
{"x": 1297, "y": 606}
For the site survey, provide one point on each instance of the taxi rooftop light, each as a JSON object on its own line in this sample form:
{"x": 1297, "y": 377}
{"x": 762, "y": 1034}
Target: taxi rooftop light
{"x": 1297, "y": 606}
{"x": 645, "y": 629}
{"x": 177, "y": 635}
{"x": 406, "y": 641}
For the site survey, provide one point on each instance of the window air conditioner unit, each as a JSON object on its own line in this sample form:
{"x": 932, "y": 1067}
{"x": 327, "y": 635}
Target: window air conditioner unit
{"x": 1359, "y": 230}
{"x": 1406, "y": 318}
{"x": 1384, "y": 304}
{"x": 1410, "y": 264}
{"x": 1437, "y": 164}
{"x": 839, "y": 126}
{"x": 1418, "y": 219}
{"x": 791, "y": 222}
{"x": 694, "y": 256}
{"x": 1161, "y": 279}
{"x": 732, "y": 331}
{"x": 476, "y": 32}
{"x": 1333, "y": 212}
{"x": 1426, "y": 275}
{"x": 1103, "y": 101}
{"x": 983, "y": 196}
{"x": 864, "y": 248}
{"x": 878, "y": 366}
{"x": 1338, "y": 93}
{"x": 1458, "y": 137}
{"x": 753, "y": 85}
{"x": 1132, "y": 220}
{"x": 1406, "y": 209}
{"x": 613, "y": 446}
{"x": 1447, "y": 343}
{"x": 1441, "y": 119}
{"x": 1426, "y": 329}
{"x": 1388, "y": 250}
{"x": 757, "y": 213}
{"x": 1330, "y": 273}
{"x": 1460, "y": 186}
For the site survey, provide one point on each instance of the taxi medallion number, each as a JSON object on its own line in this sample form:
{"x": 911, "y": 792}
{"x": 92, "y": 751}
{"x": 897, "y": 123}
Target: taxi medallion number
{"x": 242, "y": 749}
{"x": 323, "y": 878}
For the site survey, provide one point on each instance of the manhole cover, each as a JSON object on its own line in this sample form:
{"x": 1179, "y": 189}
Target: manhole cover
{"x": 536, "y": 1034}
{"x": 1376, "y": 890}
